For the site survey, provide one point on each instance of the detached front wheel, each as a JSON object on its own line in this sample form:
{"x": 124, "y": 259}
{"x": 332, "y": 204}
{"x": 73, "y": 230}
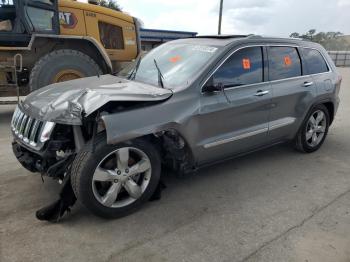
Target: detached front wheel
{"x": 115, "y": 180}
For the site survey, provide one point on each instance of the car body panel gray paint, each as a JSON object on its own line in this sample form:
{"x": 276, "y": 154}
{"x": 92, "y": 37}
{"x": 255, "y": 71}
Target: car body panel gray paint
{"x": 244, "y": 112}
{"x": 290, "y": 99}
{"x": 245, "y": 122}
{"x": 67, "y": 102}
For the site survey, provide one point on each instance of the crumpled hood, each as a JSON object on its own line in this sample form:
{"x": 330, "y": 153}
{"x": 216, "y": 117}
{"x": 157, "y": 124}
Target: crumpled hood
{"x": 66, "y": 102}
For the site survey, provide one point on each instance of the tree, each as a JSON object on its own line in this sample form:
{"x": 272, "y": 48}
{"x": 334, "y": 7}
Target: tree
{"x": 110, "y": 4}
{"x": 295, "y": 35}
{"x": 329, "y": 40}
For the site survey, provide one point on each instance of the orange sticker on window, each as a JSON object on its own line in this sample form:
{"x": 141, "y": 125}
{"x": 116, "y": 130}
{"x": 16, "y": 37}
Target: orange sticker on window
{"x": 175, "y": 59}
{"x": 287, "y": 61}
{"x": 246, "y": 63}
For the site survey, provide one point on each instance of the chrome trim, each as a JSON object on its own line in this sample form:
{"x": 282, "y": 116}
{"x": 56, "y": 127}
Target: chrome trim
{"x": 262, "y": 93}
{"x": 22, "y": 126}
{"x": 235, "y": 138}
{"x": 15, "y": 115}
{"x": 19, "y": 119}
{"x": 288, "y": 121}
{"x": 306, "y": 84}
{"x": 269, "y": 81}
{"x": 27, "y": 129}
{"x": 34, "y": 130}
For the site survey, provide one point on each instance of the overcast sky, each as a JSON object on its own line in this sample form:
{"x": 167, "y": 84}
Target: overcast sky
{"x": 267, "y": 17}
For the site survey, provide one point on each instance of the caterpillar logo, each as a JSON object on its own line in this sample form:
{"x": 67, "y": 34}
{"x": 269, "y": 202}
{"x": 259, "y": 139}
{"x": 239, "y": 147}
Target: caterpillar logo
{"x": 67, "y": 19}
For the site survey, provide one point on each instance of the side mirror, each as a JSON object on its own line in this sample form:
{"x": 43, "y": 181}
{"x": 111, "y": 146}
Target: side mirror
{"x": 211, "y": 87}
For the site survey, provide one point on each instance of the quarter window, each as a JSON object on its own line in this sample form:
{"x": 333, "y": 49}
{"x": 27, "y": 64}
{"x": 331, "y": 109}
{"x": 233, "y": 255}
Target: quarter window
{"x": 314, "y": 61}
{"x": 244, "y": 67}
{"x": 284, "y": 62}
{"x": 111, "y": 36}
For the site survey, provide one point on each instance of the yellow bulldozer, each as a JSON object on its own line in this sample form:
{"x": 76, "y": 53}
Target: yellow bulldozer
{"x": 48, "y": 41}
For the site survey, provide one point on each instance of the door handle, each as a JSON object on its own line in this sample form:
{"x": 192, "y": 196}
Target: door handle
{"x": 262, "y": 93}
{"x": 308, "y": 84}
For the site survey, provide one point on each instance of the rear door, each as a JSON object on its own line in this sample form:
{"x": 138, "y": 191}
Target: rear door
{"x": 292, "y": 91}
{"x": 235, "y": 120}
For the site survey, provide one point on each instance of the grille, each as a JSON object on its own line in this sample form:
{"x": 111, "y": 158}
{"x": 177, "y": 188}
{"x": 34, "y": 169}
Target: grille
{"x": 26, "y": 128}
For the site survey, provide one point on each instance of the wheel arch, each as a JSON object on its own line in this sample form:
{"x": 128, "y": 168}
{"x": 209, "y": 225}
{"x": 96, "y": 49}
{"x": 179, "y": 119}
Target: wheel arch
{"x": 328, "y": 103}
{"x": 168, "y": 139}
{"x": 330, "y": 107}
{"x": 41, "y": 45}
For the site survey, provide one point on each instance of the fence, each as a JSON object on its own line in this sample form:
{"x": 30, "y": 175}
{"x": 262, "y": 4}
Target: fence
{"x": 340, "y": 58}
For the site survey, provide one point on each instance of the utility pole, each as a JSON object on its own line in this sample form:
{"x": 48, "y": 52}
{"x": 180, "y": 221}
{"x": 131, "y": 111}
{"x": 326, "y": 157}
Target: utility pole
{"x": 220, "y": 17}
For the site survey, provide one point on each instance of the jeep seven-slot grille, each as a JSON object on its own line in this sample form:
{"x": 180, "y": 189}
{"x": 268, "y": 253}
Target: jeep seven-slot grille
{"x": 26, "y": 128}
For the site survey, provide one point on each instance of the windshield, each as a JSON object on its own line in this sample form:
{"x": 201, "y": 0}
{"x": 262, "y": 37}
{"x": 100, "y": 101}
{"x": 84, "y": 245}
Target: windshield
{"x": 177, "y": 62}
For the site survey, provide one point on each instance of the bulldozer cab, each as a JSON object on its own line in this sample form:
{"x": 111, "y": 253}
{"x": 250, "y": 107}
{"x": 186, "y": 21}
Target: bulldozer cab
{"x": 19, "y": 19}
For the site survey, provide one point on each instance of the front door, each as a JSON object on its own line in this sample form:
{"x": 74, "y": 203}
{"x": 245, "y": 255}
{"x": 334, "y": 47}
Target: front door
{"x": 235, "y": 120}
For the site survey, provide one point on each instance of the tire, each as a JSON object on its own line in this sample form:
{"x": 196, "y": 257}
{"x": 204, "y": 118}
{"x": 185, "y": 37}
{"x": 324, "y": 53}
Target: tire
{"x": 61, "y": 65}
{"x": 303, "y": 142}
{"x": 88, "y": 191}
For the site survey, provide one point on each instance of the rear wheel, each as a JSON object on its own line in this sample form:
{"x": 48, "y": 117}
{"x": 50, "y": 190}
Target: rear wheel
{"x": 115, "y": 180}
{"x": 62, "y": 65}
{"x": 314, "y": 130}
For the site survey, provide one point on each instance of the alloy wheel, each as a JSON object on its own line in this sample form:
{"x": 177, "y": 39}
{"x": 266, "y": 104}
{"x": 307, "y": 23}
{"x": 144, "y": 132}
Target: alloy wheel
{"x": 121, "y": 177}
{"x": 315, "y": 128}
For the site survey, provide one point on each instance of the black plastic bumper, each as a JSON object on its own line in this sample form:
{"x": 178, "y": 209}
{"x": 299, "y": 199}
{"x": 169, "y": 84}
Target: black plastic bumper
{"x": 27, "y": 159}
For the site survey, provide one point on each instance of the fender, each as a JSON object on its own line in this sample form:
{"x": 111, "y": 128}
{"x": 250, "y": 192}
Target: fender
{"x": 175, "y": 115}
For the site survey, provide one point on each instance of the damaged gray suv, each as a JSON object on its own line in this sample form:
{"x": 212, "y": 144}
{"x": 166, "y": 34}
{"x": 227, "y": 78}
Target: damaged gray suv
{"x": 186, "y": 104}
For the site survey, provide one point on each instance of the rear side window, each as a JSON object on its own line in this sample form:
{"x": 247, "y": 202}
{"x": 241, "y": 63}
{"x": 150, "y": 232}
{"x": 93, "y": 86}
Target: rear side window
{"x": 284, "y": 62}
{"x": 111, "y": 36}
{"x": 314, "y": 61}
{"x": 244, "y": 67}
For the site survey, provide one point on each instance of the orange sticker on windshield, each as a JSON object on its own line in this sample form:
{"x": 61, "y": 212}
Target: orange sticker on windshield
{"x": 287, "y": 61}
{"x": 175, "y": 59}
{"x": 246, "y": 63}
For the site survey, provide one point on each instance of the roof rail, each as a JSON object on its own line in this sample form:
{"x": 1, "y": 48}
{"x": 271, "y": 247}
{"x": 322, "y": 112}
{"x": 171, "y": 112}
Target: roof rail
{"x": 221, "y": 36}
{"x": 254, "y": 36}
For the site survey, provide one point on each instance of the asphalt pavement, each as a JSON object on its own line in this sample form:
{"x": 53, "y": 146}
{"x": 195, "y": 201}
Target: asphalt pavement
{"x": 273, "y": 205}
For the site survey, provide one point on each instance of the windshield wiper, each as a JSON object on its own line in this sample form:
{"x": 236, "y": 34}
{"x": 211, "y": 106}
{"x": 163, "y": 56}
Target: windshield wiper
{"x": 134, "y": 71}
{"x": 160, "y": 76}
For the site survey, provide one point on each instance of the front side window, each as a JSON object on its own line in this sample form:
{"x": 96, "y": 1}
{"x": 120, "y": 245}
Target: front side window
{"x": 111, "y": 36}
{"x": 47, "y": 2}
{"x": 7, "y": 15}
{"x": 314, "y": 61}
{"x": 244, "y": 67}
{"x": 6, "y": 3}
{"x": 284, "y": 62}
{"x": 40, "y": 19}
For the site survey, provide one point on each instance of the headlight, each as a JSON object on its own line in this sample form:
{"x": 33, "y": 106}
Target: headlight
{"x": 46, "y": 131}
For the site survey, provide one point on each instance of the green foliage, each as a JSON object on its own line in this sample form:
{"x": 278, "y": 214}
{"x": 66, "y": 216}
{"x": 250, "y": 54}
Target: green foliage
{"x": 329, "y": 40}
{"x": 110, "y": 4}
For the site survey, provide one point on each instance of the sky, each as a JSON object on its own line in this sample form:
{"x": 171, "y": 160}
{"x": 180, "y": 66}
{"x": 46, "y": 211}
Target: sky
{"x": 264, "y": 17}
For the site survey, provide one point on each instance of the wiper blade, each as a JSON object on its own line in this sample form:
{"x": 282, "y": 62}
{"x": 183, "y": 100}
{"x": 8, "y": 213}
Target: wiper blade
{"x": 134, "y": 71}
{"x": 160, "y": 76}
